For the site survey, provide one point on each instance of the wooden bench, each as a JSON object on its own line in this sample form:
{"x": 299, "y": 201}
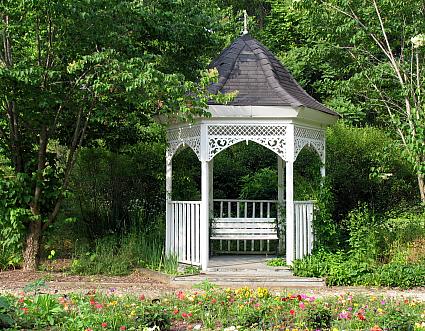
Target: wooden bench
{"x": 245, "y": 229}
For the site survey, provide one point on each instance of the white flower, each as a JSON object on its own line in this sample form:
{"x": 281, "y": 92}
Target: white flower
{"x": 231, "y": 328}
{"x": 418, "y": 41}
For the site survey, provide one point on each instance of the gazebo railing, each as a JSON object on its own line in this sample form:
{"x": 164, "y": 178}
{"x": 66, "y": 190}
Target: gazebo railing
{"x": 185, "y": 231}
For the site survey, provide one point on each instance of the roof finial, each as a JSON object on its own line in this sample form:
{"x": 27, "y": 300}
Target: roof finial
{"x": 245, "y": 22}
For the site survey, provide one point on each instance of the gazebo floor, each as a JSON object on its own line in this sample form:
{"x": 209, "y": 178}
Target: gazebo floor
{"x": 247, "y": 270}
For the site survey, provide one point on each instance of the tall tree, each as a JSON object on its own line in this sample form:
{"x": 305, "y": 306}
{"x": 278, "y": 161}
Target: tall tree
{"x": 366, "y": 59}
{"x": 67, "y": 67}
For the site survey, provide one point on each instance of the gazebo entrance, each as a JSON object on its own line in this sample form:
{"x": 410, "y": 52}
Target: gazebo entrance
{"x": 272, "y": 110}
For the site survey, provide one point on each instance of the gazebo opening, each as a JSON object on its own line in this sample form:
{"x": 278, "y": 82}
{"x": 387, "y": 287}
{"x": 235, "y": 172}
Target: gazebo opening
{"x": 270, "y": 110}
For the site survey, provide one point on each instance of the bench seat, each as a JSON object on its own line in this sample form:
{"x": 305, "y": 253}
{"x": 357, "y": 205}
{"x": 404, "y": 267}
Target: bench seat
{"x": 244, "y": 229}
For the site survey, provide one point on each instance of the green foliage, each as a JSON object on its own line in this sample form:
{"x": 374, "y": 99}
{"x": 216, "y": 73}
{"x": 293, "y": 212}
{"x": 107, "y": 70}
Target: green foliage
{"x": 364, "y": 165}
{"x": 119, "y": 255}
{"x": 276, "y": 262}
{"x": 261, "y": 184}
{"x": 381, "y": 252}
{"x": 319, "y": 317}
{"x": 243, "y": 308}
{"x": 6, "y": 319}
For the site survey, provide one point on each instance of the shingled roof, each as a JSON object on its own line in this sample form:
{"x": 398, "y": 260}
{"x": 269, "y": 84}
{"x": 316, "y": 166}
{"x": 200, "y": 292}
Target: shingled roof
{"x": 250, "y": 68}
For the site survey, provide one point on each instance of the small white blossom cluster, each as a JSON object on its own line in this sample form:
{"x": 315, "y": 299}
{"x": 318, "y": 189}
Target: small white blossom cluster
{"x": 418, "y": 41}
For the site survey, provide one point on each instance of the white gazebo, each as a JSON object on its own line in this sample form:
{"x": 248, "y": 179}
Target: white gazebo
{"x": 270, "y": 109}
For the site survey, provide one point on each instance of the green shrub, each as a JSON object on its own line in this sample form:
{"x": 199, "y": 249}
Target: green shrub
{"x": 6, "y": 319}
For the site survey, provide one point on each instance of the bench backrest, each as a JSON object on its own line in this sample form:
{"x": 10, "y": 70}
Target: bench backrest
{"x": 244, "y": 228}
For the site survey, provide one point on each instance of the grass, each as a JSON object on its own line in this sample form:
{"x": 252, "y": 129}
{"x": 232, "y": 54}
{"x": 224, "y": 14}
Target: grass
{"x": 119, "y": 255}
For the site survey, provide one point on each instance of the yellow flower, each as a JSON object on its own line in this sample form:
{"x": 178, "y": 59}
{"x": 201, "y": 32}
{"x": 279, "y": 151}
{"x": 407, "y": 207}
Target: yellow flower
{"x": 113, "y": 303}
{"x": 334, "y": 329}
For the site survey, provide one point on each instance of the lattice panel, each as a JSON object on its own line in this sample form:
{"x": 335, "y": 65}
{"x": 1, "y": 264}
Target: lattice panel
{"x": 221, "y": 137}
{"x": 310, "y": 137}
{"x": 246, "y": 130}
{"x": 186, "y": 136}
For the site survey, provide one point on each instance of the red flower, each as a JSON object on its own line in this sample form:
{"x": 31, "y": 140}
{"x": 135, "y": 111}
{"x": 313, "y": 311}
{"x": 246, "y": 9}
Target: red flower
{"x": 104, "y": 325}
{"x": 142, "y": 297}
{"x": 292, "y": 312}
{"x": 175, "y": 311}
{"x": 184, "y": 315}
{"x": 123, "y": 327}
{"x": 21, "y": 300}
{"x": 361, "y": 316}
{"x": 190, "y": 314}
{"x": 213, "y": 301}
{"x": 25, "y": 310}
{"x": 98, "y": 306}
{"x": 376, "y": 328}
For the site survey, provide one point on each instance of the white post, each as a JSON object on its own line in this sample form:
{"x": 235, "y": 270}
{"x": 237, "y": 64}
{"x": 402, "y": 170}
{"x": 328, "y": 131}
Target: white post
{"x": 168, "y": 199}
{"x": 205, "y": 207}
{"x": 211, "y": 186}
{"x": 205, "y": 201}
{"x": 290, "y": 228}
{"x": 280, "y": 198}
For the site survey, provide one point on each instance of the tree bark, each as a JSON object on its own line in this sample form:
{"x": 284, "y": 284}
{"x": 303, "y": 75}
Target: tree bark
{"x": 32, "y": 246}
{"x": 421, "y": 182}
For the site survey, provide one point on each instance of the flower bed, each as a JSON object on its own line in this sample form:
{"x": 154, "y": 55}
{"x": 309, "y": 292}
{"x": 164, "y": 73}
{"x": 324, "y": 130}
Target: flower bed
{"x": 210, "y": 309}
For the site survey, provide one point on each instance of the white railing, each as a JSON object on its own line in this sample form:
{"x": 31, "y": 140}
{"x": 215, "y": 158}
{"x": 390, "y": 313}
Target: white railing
{"x": 185, "y": 231}
{"x": 245, "y": 208}
{"x": 303, "y": 228}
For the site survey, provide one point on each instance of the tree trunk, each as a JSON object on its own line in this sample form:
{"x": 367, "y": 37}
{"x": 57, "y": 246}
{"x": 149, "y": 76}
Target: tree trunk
{"x": 32, "y": 246}
{"x": 421, "y": 182}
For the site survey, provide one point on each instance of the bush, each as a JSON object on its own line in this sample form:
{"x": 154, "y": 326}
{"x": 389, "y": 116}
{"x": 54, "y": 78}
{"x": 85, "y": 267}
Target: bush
{"x": 365, "y": 165}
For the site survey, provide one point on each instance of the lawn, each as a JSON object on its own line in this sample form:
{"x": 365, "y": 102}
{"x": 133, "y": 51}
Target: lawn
{"x": 210, "y": 308}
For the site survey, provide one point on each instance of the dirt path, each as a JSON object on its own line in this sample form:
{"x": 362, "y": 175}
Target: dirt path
{"x": 153, "y": 284}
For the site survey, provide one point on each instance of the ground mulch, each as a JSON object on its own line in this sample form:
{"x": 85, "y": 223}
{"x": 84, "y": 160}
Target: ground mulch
{"x": 154, "y": 284}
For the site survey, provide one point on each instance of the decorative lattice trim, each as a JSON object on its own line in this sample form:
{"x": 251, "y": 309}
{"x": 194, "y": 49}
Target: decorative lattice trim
{"x": 309, "y": 137}
{"x": 185, "y": 136}
{"x": 271, "y": 136}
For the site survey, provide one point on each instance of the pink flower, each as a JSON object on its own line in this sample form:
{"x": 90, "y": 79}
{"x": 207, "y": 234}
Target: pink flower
{"x": 142, "y": 297}
{"x": 25, "y": 310}
{"x": 104, "y": 325}
{"x": 302, "y": 305}
{"x": 180, "y": 295}
{"x": 123, "y": 327}
{"x": 344, "y": 315}
{"x": 98, "y": 306}
{"x": 311, "y": 299}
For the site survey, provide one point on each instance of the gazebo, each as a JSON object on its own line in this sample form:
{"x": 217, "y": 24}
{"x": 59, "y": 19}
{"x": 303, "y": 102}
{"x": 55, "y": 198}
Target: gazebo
{"x": 270, "y": 109}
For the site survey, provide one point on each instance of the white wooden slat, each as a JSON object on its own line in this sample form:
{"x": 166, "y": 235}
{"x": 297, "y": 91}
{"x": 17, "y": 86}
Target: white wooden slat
{"x": 252, "y": 245}
{"x": 181, "y": 231}
{"x": 245, "y": 220}
{"x": 244, "y": 245}
{"x": 221, "y": 208}
{"x": 253, "y": 210}
{"x": 305, "y": 231}
{"x": 229, "y": 209}
{"x": 245, "y": 210}
{"x": 244, "y": 231}
{"x": 228, "y": 245}
{"x": 297, "y": 231}
{"x": 192, "y": 233}
{"x": 244, "y": 237}
{"x": 252, "y": 225}
{"x": 237, "y": 245}
{"x": 261, "y": 209}
{"x": 268, "y": 209}
{"x": 237, "y": 209}
{"x": 198, "y": 233}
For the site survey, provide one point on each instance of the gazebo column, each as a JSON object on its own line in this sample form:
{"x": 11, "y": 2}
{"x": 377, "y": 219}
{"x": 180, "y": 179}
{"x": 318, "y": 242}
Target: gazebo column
{"x": 290, "y": 219}
{"x": 289, "y": 176}
{"x": 205, "y": 208}
{"x": 168, "y": 211}
{"x": 280, "y": 199}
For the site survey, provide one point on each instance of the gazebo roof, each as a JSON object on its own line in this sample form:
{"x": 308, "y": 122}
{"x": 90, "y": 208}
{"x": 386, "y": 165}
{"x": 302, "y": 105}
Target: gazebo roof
{"x": 250, "y": 68}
